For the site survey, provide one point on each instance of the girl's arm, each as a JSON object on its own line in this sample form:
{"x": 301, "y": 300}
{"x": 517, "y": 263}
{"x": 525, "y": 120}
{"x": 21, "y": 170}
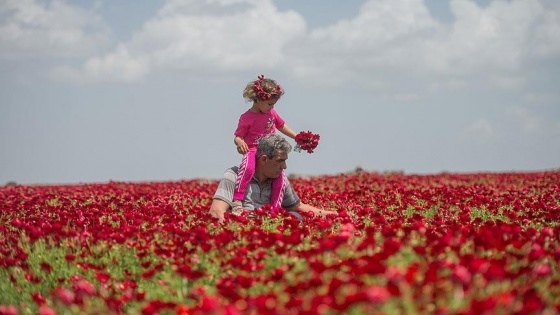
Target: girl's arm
{"x": 287, "y": 131}
{"x": 242, "y": 147}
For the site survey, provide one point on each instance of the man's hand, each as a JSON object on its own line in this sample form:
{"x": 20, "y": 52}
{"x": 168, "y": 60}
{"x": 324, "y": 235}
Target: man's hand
{"x": 218, "y": 208}
{"x": 302, "y": 207}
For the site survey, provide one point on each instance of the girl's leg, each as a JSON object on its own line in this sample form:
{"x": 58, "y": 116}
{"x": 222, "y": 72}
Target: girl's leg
{"x": 246, "y": 172}
{"x": 278, "y": 189}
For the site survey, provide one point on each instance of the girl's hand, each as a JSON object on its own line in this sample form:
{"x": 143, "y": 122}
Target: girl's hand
{"x": 242, "y": 147}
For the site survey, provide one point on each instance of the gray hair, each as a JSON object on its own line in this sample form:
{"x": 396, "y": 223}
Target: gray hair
{"x": 270, "y": 144}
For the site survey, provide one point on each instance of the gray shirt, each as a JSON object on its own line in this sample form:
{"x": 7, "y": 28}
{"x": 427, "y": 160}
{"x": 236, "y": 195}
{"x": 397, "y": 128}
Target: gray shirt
{"x": 256, "y": 196}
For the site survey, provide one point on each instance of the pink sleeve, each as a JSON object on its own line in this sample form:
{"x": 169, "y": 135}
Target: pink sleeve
{"x": 242, "y": 127}
{"x": 278, "y": 121}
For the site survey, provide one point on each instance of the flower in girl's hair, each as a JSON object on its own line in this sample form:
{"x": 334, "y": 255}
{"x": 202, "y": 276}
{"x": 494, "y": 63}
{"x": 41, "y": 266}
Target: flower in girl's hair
{"x": 261, "y": 93}
{"x": 306, "y": 140}
{"x": 259, "y": 90}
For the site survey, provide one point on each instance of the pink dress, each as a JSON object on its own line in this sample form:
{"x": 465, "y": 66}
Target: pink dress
{"x": 252, "y": 126}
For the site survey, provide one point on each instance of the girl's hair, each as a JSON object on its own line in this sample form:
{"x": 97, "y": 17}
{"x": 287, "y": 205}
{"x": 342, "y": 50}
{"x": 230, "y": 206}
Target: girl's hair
{"x": 263, "y": 89}
{"x": 270, "y": 144}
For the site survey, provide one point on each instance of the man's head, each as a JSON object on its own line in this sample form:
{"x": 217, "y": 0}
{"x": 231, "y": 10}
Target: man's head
{"x": 272, "y": 153}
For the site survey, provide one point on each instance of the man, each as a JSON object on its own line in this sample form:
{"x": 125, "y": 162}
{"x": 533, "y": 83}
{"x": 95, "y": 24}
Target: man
{"x": 271, "y": 156}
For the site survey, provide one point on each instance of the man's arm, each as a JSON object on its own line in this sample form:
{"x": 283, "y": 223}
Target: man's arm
{"x": 302, "y": 207}
{"x": 218, "y": 208}
{"x": 221, "y": 201}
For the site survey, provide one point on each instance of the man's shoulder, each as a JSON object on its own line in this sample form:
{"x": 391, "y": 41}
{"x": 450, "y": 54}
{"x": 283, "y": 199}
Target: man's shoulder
{"x": 231, "y": 173}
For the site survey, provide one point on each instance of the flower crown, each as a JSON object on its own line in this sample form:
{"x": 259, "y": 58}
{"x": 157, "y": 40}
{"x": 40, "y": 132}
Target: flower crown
{"x": 261, "y": 93}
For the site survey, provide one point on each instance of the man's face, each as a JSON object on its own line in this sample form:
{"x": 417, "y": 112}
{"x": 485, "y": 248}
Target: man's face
{"x": 273, "y": 167}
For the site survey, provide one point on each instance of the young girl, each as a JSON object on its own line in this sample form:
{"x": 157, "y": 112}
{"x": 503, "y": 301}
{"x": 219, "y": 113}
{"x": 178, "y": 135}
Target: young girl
{"x": 259, "y": 120}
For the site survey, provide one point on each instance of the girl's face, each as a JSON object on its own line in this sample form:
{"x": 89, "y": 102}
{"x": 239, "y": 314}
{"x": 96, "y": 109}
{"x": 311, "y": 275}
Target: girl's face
{"x": 264, "y": 106}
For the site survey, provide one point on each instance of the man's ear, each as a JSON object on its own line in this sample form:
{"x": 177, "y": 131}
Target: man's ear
{"x": 263, "y": 158}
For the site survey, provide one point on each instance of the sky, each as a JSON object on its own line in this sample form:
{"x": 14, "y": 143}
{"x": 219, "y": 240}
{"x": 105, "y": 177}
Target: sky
{"x": 126, "y": 90}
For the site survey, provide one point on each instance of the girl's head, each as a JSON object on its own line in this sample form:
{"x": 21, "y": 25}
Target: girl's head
{"x": 262, "y": 89}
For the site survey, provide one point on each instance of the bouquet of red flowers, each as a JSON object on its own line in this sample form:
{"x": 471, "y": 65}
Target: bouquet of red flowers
{"x": 306, "y": 140}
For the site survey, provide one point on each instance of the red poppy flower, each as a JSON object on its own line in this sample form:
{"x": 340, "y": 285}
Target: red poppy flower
{"x": 307, "y": 141}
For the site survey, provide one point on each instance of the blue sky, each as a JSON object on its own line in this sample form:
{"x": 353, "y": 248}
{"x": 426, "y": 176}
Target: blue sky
{"x": 93, "y": 91}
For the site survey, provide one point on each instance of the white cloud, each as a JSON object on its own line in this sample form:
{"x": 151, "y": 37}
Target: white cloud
{"x": 405, "y": 98}
{"x": 39, "y": 28}
{"x": 383, "y": 36}
{"x": 490, "y": 38}
{"x": 516, "y": 122}
{"x": 116, "y": 66}
{"x": 542, "y": 98}
{"x": 379, "y": 22}
{"x": 213, "y": 36}
{"x": 547, "y": 34}
{"x": 482, "y": 129}
{"x": 507, "y": 82}
{"x": 392, "y": 46}
{"x": 528, "y": 122}
{"x": 400, "y": 44}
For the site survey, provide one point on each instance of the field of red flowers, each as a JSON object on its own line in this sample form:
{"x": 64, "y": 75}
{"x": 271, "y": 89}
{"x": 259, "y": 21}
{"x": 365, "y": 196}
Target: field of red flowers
{"x": 483, "y": 243}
